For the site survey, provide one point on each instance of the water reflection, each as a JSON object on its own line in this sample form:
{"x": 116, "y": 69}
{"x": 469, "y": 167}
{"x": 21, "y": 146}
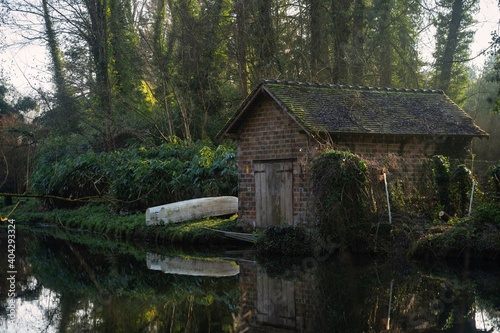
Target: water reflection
{"x": 69, "y": 284}
{"x": 106, "y": 287}
{"x": 192, "y": 266}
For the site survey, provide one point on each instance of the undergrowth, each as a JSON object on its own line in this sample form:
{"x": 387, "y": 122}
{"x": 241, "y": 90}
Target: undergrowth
{"x": 477, "y": 236}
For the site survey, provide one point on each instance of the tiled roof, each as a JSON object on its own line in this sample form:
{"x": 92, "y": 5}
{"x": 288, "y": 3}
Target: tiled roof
{"x": 360, "y": 109}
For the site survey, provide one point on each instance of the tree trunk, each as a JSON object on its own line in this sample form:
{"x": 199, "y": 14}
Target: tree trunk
{"x": 357, "y": 52}
{"x": 385, "y": 60}
{"x": 161, "y": 53}
{"x": 341, "y": 34}
{"x": 446, "y": 62}
{"x": 317, "y": 41}
{"x": 266, "y": 41}
{"x": 65, "y": 111}
{"x": 241, "y": 46}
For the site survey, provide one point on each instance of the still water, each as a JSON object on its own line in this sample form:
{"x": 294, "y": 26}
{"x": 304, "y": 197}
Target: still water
{"x": 68, "y": 282}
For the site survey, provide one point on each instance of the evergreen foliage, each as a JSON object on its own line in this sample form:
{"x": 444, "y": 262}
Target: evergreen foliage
{"x": 136, "y": 178}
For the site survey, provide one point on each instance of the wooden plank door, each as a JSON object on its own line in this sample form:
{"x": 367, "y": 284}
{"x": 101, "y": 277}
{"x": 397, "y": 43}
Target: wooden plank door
{"x": 273, "y": 193}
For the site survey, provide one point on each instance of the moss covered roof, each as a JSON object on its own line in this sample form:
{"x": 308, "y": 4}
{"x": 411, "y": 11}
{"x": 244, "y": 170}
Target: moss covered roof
{"x": 361, "y": 110}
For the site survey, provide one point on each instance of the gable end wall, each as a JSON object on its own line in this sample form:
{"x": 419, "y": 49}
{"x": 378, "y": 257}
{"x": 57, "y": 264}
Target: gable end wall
{"x": 271, "y": 134}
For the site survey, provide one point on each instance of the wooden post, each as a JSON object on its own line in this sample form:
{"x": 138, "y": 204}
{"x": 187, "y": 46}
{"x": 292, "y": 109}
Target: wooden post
{"x": 444, "y": 216}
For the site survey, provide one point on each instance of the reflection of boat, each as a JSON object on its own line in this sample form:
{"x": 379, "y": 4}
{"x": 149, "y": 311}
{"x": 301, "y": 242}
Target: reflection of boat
{"x": 192, "y": 266}
{"x": 192, "y": 209}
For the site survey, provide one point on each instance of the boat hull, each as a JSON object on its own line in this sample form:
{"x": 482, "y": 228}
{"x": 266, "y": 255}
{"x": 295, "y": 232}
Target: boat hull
{"x": 191, "y": 210}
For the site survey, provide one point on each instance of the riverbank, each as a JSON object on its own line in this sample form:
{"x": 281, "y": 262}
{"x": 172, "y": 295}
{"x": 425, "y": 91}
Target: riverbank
{"x": 102, "y": 220}
{"x": 476, "y": 236}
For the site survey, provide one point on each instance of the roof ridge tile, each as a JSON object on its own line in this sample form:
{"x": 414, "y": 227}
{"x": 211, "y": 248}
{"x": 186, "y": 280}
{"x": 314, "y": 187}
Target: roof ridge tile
{"x": 351, "y": 87}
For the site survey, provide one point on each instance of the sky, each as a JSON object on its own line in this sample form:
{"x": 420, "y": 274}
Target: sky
{"x": 488, "y": 20}
{"x": 26, "y": 66}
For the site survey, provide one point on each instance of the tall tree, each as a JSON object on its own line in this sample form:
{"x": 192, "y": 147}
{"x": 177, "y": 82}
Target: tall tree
{"x": 496, "y": 44}
{"x": 453, "y": 38}
{"x": 63, "y": 117}
{"x": 406, "y": 63}
{"x": 199, "y": 58}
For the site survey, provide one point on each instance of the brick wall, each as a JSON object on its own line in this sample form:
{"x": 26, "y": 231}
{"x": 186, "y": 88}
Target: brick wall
{"x": 379, "y": 150}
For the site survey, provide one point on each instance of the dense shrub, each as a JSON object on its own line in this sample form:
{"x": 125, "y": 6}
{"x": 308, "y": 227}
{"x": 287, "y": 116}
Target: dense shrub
{"x": 488, "y": 213}
{"x": 284, "y": 241}
{"x": 340, "y": 186}
{"x": 494, "y": 179}
{"x": 136, "y": 178}
{"x": 71, "y": 177}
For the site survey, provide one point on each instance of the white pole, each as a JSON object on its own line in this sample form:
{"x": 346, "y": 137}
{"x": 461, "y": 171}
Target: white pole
{"x": 388, "y": 326}
{"x": 471, "y": 197}
{"x": 387, "y": 196}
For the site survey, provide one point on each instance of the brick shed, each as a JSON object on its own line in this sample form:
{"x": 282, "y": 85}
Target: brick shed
{"x": 281, "y": 126}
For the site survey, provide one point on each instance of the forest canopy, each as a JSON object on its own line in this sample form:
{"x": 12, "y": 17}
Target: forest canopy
{"x": 128, "y": 72}
{"x": 159, "y": 68}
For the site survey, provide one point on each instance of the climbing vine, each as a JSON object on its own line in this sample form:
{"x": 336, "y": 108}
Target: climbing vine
{"x": 453, "y": 185}
{"x": 461, "y": 185}
{"x": 441, "y": 173}
{"x": 494, "y": 179}
{"x": 340, "y": 185}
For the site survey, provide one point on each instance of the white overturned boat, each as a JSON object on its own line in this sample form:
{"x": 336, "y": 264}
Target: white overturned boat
{"x": 191, "y": 210}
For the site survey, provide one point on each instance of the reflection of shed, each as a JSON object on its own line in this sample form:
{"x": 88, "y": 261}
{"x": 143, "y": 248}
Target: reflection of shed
{"x": 278, "y": 304}
{"x": 275, "y": 302}
{"x": 279, "y": 126}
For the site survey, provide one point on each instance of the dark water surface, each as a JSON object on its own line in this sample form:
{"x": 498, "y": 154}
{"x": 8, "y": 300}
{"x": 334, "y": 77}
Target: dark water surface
{"x": 77, "y": 283}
